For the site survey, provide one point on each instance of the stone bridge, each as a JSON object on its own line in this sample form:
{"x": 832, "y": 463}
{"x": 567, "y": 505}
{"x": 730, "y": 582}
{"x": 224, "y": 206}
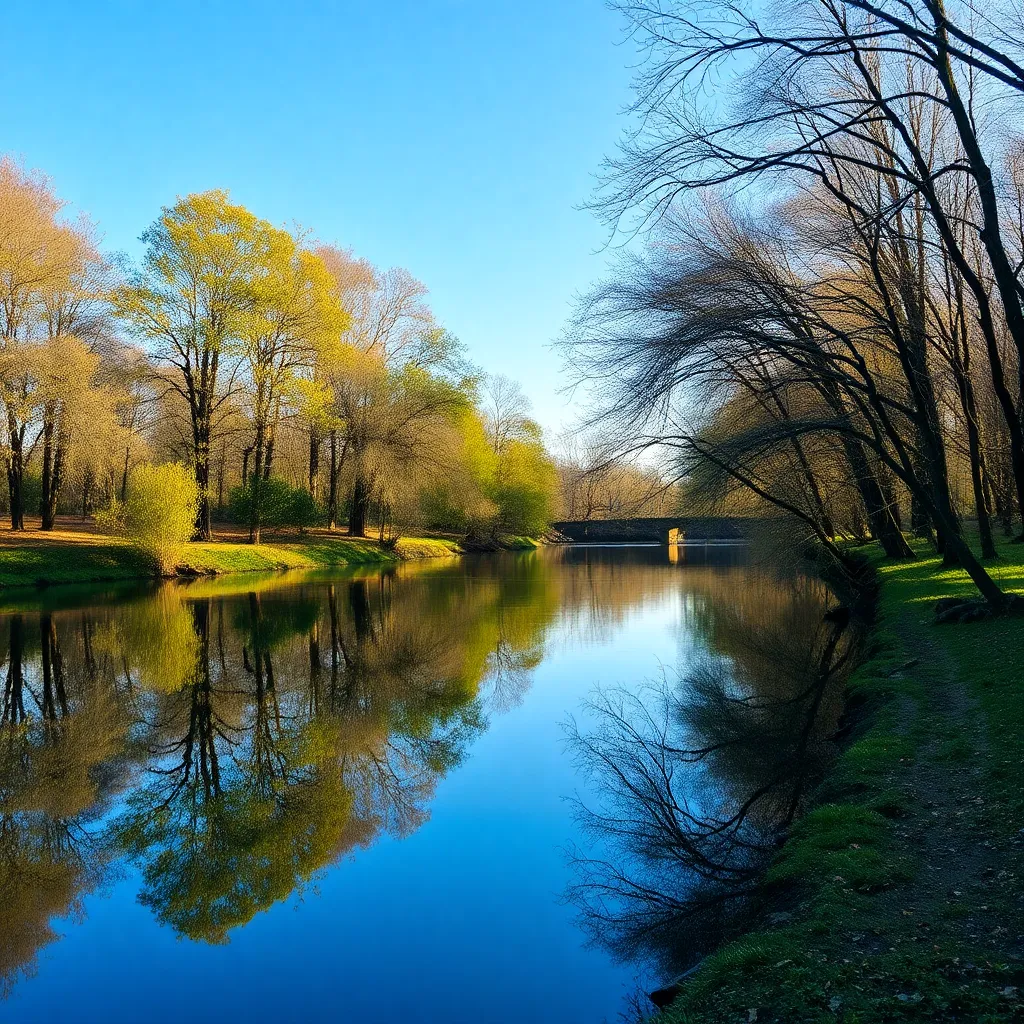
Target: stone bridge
{"x": 678, "y": 530}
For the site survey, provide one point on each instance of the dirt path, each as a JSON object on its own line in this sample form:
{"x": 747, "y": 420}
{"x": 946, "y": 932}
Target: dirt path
{"x": 966, "y": 893}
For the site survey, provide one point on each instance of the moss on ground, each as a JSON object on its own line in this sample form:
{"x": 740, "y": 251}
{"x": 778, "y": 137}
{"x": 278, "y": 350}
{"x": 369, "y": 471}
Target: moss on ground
{"x": 903, "y": 886}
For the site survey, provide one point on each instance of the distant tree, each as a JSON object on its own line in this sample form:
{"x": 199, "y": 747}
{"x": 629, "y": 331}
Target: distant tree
{"x": 525, "y": 488}
{"x": 506, "y": 412}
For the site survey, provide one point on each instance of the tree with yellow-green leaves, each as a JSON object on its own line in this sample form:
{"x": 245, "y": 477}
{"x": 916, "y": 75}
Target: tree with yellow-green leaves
{"x": 158, "y": 512}
{"x": 295, "y": 311}
{"x": 243, "y": 349}
{"x": 391, "y": 390}
{"x": 52, "y": 309}
{"x": 194, "y": 299}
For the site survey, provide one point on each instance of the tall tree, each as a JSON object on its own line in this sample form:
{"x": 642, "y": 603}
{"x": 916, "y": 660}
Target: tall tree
{"x": 47, "y": 291}
{"x": 296, "y": 311}
{"x": 193, "y": 299}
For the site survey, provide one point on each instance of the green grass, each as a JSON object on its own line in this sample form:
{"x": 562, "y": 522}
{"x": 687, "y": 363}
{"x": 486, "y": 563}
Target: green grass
{"x": 93, "y": 558}
{"x": 837, "y": 843}
{"x": 904, "y": 883}
{"x": 314, "y": 552}
{"x": 511, "y": 543}
{"x": 409, "y": 548}
{"x": 35, "y": 563}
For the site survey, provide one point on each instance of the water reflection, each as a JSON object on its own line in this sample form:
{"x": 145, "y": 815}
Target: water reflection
{"x": 698, "y": 776}
{"x": 233, "y": 739}
{"x": 63, "y": 744}
{"x": 226, "y": 741}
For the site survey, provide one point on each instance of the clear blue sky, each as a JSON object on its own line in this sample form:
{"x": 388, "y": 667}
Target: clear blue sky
{"x": 452, "y": 137}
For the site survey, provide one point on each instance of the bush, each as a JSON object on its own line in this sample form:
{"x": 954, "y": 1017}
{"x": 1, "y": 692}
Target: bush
{"x": 280, "y": 505}
{"x": 158, "y": 514}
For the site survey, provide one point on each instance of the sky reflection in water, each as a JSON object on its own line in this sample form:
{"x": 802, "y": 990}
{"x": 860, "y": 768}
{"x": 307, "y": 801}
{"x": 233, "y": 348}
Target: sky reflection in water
{"x": 279, "y": 799}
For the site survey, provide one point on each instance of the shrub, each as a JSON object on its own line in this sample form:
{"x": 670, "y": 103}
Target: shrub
{"x": 280, "y": 504}
{"x": 158, "y": 514}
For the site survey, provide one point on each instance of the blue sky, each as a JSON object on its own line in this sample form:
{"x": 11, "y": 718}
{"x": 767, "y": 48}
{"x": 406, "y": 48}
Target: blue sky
{"x": 451, "y": 137}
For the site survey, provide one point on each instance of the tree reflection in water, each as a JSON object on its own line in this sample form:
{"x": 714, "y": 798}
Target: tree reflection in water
{"x": 699, "y": 775}
{"x": 233, "y": 738}
{"x": 63, "y": 747}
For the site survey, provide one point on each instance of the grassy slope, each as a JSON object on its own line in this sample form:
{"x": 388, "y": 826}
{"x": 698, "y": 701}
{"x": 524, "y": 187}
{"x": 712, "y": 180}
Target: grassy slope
{"x": 308, "y": 553}
{"x": 901, "y": 892}
{"x": 80, "y": 558}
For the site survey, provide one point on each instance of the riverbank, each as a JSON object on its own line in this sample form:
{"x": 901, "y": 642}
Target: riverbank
{"x": 900, "y": 895}
{"x": 77, "y": 554}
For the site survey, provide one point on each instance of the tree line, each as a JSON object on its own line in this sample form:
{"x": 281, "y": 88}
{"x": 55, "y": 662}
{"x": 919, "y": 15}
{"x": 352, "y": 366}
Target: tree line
{"x": 827, "y": 318}
{"x": 295, "y": 381}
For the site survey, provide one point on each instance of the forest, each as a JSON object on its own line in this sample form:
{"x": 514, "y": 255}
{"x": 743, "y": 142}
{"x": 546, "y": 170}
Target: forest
{"x": 296, "y": 382}
{"x": 824, "y": 317}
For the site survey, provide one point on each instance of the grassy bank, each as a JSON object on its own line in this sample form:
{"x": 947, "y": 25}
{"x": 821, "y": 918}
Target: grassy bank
{"x": 82, "y": 556}
{"x": 899, "y": 896}
{"x": 311, "y": 552}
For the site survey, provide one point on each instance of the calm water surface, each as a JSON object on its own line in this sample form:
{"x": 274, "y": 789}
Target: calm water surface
{"x": 326, "y": 798}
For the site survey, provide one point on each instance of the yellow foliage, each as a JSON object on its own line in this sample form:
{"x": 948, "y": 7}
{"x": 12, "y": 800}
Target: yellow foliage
{"x": 159, "y": 512}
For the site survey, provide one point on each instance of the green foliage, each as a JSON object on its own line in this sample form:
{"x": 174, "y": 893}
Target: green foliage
{"x": 158, "y": 513}
{"x": 525, "y": 488}
{"x": 278, "y": 504}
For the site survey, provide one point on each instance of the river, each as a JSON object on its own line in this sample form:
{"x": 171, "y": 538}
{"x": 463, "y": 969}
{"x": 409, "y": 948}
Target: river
{"x": 370, "y": 797}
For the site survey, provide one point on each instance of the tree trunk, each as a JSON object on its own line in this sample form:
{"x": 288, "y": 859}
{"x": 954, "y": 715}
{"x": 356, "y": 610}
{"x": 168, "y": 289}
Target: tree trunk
{"x": 54, "y": 459}
{"x": 974, "y": 449}
{"x": 246, "y": 455}
{"x": 56, "y": 482}
{"x": 221, "y": 466}
{"x": 87, "y": 484}
{"x": 332, "y": 491}
{"x": 268, "y": 457}
{"x": 261, "y": 451}
{"x": 124, "y": 473}
{"x": 16, "y": 472}
{"x": 881, "y": 510}
{"x": 47, "y": 472}
{"x": 315, "y": 441}
{"x": 884, "y": 526}
{"x": 360, "y": 506}
{"x": 203, "y": 530}
{"x": 1003, "y": 271}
